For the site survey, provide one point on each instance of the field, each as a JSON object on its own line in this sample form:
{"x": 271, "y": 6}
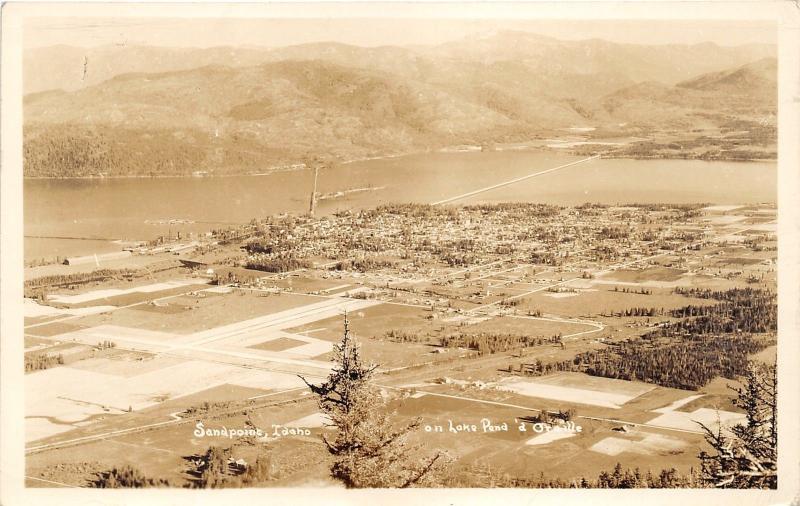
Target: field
{"x": 579, "y": 389}
{"x": 656, "y": 275}
{"x": 279, "y": 344}
{"x": 164, "y": 365}
{"x": 530, "y": 454}
{"x": 712, "y": 418}
{"x": 195, "y": 313}
{"x": 106, "y": 388}
{"x": 767, "y": 355}
{"x": 117, "y": 294}
{"x": 230, "y": 355}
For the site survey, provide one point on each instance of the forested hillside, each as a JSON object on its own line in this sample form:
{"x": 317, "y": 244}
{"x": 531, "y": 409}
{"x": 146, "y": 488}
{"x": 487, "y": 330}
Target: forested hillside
{"x": 225, "y": 111}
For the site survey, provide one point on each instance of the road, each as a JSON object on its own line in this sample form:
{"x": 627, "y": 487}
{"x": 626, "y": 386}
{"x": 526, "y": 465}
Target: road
{"x": 596, "y": 328}
{"x": 197, "y": 346}
{"x": 512, "y": 181}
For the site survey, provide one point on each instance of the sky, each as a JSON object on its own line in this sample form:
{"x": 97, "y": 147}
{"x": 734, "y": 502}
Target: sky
{"x": 209, "y": 32}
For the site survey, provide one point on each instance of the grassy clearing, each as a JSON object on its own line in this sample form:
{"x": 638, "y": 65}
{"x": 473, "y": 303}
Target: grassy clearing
{"x": 35, "y": 320}
{"x": 204, "y": 312}
{"x": 279, "y": 344}
{"x": 138, "y": 297}
{"x": 54, "y": 329}
{"x": 644, "y": 275}
{"x": 604, "y": 300}
{"x": 526, "y": 326}
{"x": 373, "y": 322}
{"x": 162, "y": 309}
{"x": 768, "y": 355}
{"x": 31, "y": 341}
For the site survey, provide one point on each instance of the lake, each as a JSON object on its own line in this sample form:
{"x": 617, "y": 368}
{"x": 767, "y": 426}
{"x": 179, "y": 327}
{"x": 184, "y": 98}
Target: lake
{"x": 140, "y": 208}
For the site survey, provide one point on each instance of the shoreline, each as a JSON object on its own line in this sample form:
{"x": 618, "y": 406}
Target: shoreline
{"x": 216, "y": 176}
{"x": 691, "y": 159}
{"x": 387, "y": 157}
{"x": 120, "y": 242}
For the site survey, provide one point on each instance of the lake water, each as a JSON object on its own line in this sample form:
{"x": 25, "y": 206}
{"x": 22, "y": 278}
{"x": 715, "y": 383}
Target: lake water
{"x": 120, "y": 208}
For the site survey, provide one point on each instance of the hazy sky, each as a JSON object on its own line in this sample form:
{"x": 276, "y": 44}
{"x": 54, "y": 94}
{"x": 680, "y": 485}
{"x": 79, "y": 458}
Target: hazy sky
{"x": 89, "y": 32}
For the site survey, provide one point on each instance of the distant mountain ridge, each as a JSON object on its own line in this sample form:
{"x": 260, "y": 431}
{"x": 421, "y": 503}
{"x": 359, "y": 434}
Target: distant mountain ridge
{"x": 756, "y": 75}
{"x": 62, "y": 67}
{"x": 244, "y": 110}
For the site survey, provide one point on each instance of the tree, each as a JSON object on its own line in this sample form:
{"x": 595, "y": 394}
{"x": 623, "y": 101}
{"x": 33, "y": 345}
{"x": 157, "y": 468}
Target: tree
{"x": 368, "y": 451}
{"x": 567, "y": 415}
{"x": 746, "y": 456}
{"x": 214, "y": 470}
{"x": 127, "y": 477}
{"x": 257, "y": 473}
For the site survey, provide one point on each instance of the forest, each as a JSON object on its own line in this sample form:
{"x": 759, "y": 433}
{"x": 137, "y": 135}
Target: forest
{"x": 86, "y": 151}
{"x": 741, "y": 310}
{"x": 707, "y": 341}
{"x": 688, "y": 363}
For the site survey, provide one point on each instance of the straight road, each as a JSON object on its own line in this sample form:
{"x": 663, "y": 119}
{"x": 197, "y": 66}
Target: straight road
{"x": 512, "y": 181}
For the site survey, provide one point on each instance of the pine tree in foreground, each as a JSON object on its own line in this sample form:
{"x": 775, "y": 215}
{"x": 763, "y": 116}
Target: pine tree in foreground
{"x": 747, "y": 455}
{"x": 368, "y": 450}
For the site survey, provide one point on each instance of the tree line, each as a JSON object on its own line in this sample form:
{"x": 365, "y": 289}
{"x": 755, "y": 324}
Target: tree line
{"x": 741, "y": 310}
{"x": 41, "y": 361}
{"x": 281, "y": 263}
{"x": 617, "y": 478}
{"x": 489, "y": 343}
{"x": 364, "y": 264}
{"x": 688, "y": 364}
{"x": 539, "y": 368}
{"x": 35, "y": 288}
{"x": 484, "y": 342}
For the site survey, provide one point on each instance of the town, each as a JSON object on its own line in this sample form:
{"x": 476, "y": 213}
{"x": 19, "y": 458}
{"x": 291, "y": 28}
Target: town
{"x": 514, "y": 312}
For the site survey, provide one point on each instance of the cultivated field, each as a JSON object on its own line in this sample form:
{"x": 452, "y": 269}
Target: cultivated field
{"x": 229, "y": 355}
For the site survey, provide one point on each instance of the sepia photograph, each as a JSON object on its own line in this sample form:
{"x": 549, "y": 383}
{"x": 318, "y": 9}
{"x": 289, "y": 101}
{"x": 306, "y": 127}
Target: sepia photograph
{"x": 312, "y": 250}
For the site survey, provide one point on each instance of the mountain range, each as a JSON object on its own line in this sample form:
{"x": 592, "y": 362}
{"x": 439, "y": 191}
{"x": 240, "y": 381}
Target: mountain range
{"x": 136, "y": 110}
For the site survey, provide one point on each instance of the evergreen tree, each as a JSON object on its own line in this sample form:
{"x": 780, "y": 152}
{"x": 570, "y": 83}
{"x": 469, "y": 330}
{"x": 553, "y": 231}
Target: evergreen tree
{"x": 214, "y": 471}
{"x": 747, "y": 456}
{"x": 127, "y": 477}
{"x": 368, "y": 450}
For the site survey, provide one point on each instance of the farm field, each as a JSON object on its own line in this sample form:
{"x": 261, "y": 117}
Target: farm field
{"x": 597, "y": 445}
{"x": 164, "y": 365}
{"x": 203, "y": 310}
{"x": 139, "y": 364}
{"x": 578, "y": 389}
